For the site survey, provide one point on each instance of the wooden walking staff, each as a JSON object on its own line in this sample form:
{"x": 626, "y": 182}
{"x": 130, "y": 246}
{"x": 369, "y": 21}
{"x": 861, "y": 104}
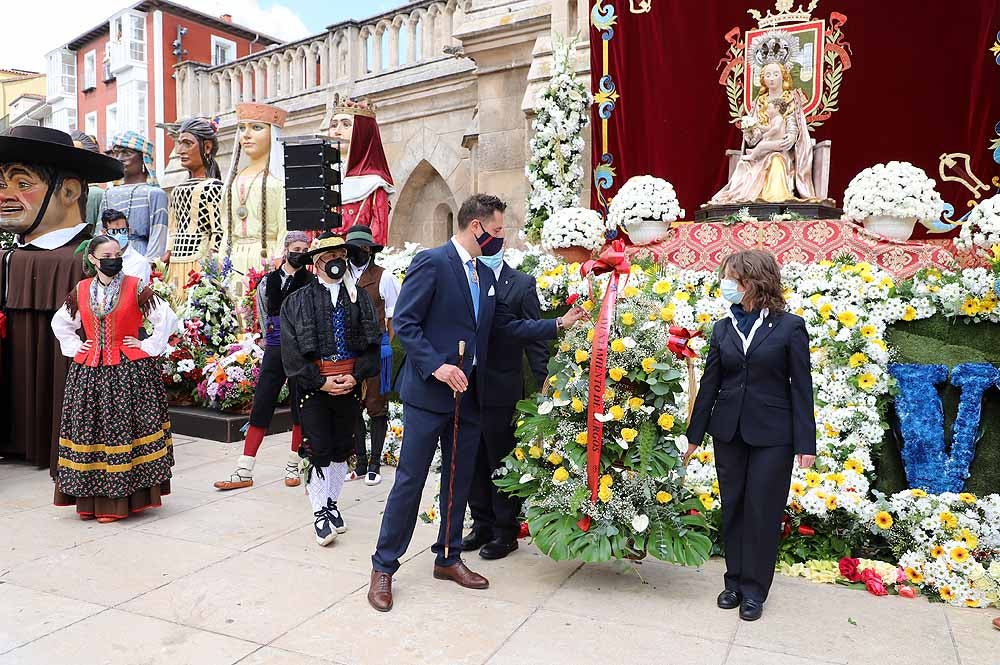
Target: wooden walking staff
{"x": 454, "y": 448}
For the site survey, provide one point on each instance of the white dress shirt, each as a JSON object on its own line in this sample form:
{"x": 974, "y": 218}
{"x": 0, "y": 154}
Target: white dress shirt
{"x": 388, "y": 287}
{"x": 55, "y": 239}
{"x": 465, "y": 258}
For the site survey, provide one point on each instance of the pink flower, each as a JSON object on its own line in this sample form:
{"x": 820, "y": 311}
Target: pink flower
{"x": 906, "y": 591}
{"x": 875, "y": 586}
{"x": 900, "y": 576}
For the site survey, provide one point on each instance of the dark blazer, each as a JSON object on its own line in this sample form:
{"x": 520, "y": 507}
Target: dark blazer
{"x": 504, "y": 372}
{"x": 767, "y": 392}
{"x": 434, "y": 311}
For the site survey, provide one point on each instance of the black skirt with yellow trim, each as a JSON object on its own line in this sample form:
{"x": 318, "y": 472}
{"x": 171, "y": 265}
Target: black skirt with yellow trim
{"x": 115, "y": 450}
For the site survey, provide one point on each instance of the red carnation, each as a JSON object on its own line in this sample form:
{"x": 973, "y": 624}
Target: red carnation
{"x": 906, "y": 591}
{"x": 806, "y": 530}
{"x": 869, "y": 575}
{"x": 693, "y": 512}
{"x": 572, "y": 299}
{"x": 849, "y": 569}
{"x": 875, "y": 587}
{"x": 522, "y": 531}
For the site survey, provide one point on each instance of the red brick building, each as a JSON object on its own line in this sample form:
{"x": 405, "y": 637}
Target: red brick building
{"x": 118, "y": 75}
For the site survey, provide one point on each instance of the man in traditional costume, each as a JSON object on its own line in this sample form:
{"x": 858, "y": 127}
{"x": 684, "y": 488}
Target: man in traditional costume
{"x": 43, "y": 198}
{"x": 382, "y": 287}
{"x": 196, "y": 204}
{"x": 329, "y": 345}
{"x": 272, "y": 291}
{"x": 367, "y": 183}
{"x": 254, "y": 203}
{"x": 139, "y": 196}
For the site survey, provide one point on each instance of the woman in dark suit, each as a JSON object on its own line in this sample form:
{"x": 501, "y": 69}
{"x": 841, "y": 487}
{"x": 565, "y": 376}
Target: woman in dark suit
{"x": 756, "y": 400}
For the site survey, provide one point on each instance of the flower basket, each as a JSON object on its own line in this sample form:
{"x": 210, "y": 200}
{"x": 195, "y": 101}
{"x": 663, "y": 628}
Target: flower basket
{"x": 890, "y": 198}
{"x": 647, "y": 231}
{"x": 179, "y": 399}
{"x": 890, "y": 226}
{"x": 574, "y": 254}
{"x": 645, "y": 207}
{"x": 578, "y": 230}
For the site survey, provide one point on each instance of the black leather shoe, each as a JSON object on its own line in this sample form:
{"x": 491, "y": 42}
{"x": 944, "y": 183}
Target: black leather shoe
{"x": 729, "y": 600}
{"x": 497, "y": 549}
{"x": 750, "y": 610}
{"x": 476, "y": 539}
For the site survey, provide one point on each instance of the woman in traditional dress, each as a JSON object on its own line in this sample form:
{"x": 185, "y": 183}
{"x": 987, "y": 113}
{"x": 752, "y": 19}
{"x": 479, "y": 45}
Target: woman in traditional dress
{"x": 114, "y": 443}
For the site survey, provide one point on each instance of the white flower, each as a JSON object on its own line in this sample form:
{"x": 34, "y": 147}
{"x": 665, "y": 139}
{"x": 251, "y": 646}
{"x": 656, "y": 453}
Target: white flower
{"x": 573, "y": 226}
{"x": 640, "y": 522}
{"x": 897, "y": 189}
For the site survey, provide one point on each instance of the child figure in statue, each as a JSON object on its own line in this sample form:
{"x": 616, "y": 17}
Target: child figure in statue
{"x": 773, "y": 134}
{"x": 254, "y": 197}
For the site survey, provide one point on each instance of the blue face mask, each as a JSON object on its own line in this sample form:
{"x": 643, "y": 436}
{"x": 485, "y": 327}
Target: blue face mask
{"x": 493, "y": 261}
{"x": 121, "y": 235}
{"x": 731, "y": 291}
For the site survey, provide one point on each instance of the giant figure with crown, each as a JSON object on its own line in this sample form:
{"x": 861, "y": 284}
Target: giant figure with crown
{"x": 367, "y": 183}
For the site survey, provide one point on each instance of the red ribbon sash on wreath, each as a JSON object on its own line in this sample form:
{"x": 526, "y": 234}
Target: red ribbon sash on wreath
{"x": 611, "y": 260}
{"x": 679, "y": 341}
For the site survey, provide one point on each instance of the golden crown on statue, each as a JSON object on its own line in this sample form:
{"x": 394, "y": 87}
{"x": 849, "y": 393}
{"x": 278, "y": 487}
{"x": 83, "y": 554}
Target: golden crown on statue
{"x": 784, "y": 15}
{"x": 350, "y": 106}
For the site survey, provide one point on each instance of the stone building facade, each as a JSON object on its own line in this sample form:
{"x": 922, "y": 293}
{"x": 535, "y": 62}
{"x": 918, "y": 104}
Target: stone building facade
{"x": 454, "y": 82}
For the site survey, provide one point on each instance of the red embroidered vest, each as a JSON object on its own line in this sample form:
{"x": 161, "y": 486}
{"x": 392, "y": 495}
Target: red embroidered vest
{"x": 108, "y": 334}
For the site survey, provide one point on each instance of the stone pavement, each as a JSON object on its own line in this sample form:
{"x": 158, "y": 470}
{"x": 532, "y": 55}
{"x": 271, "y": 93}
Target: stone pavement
{"x": 216, "y": 578}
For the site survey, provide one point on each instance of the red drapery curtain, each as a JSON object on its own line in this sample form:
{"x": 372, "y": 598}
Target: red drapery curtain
{"x": 923, "y": 83}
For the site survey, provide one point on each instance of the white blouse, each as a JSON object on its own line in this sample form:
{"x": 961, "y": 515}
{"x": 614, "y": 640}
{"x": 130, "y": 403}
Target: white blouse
{"x": 162, "y": 318}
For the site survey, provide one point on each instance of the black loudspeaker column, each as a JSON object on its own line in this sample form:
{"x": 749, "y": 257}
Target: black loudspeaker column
{"x": 312, "y": 183}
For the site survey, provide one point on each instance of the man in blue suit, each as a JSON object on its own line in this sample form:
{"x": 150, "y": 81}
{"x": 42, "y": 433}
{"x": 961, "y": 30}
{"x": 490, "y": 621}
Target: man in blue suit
{"x": 494, "y": 513}
{"x": 447, "y": 297}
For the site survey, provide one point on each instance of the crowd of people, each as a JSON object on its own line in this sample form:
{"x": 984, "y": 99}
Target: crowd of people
{"x": 327, "y": 314}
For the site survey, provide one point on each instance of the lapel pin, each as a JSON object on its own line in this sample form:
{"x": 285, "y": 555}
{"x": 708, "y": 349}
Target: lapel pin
{"x": 770, "y": 325}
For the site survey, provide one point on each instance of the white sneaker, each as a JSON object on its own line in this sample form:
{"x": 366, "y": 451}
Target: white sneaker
{"x": 373, "y": 478}
{"x": 352, "y": 476}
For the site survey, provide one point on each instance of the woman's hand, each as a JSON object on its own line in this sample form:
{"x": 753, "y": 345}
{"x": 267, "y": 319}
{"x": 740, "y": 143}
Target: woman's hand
{"x": 690, "y": 451}
{"x": 131, "y": 342}
{"x": 806, "y": 461}
{"x": 86, "y": 346}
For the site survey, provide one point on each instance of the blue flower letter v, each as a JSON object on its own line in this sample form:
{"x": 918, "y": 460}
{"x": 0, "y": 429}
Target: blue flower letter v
{"x": 921, "y": 422}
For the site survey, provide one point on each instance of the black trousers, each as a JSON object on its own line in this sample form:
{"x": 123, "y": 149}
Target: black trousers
{"x": 328, "y": 426}
{"x": 494, "y": 512}
{"x": 753, "y": 482}
{"x": 265, "y": 396}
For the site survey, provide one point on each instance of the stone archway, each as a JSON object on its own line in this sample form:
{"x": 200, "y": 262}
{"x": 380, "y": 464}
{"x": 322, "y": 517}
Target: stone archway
{"x": 424, "y": 210}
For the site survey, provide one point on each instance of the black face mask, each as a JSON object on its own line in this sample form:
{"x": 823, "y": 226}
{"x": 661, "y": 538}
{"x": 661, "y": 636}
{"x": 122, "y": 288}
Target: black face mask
{"x": 336, "y": 269}
{"x": 360, "y": 257}
{"x": 489, "y": 243}
{"x": 298, "y": 259}
{"x": 110, "y": 267}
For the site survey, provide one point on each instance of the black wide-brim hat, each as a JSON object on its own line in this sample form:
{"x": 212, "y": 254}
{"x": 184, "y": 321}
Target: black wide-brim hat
{"x": 51, "y": 147}
{"x": 360, "y": 235}
{"x": 326, "y": 242}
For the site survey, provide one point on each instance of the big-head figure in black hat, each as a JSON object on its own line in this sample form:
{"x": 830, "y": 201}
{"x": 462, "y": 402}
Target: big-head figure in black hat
{"x": 43, "y": 202}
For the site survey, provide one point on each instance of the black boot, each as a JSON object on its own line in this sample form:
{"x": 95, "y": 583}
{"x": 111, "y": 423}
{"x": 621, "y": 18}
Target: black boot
{"x": 360, "y": 448}
{"x": 380, "y": 426}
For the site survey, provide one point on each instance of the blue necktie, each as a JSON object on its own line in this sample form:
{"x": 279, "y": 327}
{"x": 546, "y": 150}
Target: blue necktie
{"x": 473, "y": 286}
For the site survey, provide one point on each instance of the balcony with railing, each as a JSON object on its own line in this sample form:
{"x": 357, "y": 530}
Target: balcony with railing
{"x": 412, "y": 37}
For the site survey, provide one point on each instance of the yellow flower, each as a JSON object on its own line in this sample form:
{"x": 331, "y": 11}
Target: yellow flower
{"x": 582, "y": 356}
{"x": 628, "y": 318}
{"x": 848, "y": 319}
{"x": 587, "y": 305}
{"x": 946, "y": 593}
{"x": 831, "y": 502}
{"x": 707, "y": 501}
{"x": 682, "y": 296}
{"x": 948, "y": 521}
{"x": 664, "y": 497}
{"x": 918, "y": 493}
{"x": 826, "y": 310}
{"x": 858, "y": 359}
{"x": 661, "y": 286}
{"x": 968, "y": 498}
{"x": 868, "y": 331}
{"x": 607, "y": 480}
{"x": 813, "y": 479}
{"x": 629, "y": 434}
{"x": 564, "y": 347}
{"x": 635, "y": 402}
{"x": 647, "y": 364}
{"x": 631, "y": 292}
{"x": 605, "y": 494}
{"x": 866, "y": 381}
{"x": 618, "y": 346}
{"x": 970, "y": 307}
{"x": 970, "y": 539}
{"x": 837, "y": 478}
{"x": 665, "y": 421}
{"x": 909, "y": 314}
{"x": 555, "y": 459}
{"x": 883, "y": 520}
{"x": 913, "y": 575}
{"x": 561, "y": 475}
{"x": 544, "y": 283}
{"x": 886, "y": 283}
{"x": 577, "y": 405}
{"x": 581, "y": 438}
{"x": 590, "y": 335}
{"x": 715, "y": 487}
{"x": 616, "y": 373}
{"x": 798, "y": 489}
{"x": 519, "y": 454}
{"x": 705, "y": 456}
{"x": 830, "y": 432}
{"x": 854, "y": 465}
{"x": 971, "y": 602}
{"x": 617, "y": 412}
{"x": 704, "y": 318}
{"x": 535, "y": 452}
{"x": 959, "y": 554}
{"x": 880, "y": 343}
{"x": 936, "y": 551}
{"x": 609, "y": 394}
{"x": 667, "y": 312}
{"x": 556, "y": 394}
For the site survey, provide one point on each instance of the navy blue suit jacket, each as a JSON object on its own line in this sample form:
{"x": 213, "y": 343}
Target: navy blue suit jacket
{"x": 765, "y": 393}
{"x": 505, "y": 369}
{"x": 434, "y": 311}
